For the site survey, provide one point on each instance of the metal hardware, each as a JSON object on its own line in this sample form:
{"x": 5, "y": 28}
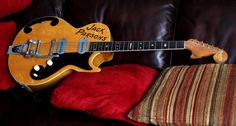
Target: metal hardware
{"x": 52, "y": 46}
{"x": 61, "y": 47}
{"x": 83, "y": 45}
{"x": 16, "y": 49}
{"x": 27, "y": 50}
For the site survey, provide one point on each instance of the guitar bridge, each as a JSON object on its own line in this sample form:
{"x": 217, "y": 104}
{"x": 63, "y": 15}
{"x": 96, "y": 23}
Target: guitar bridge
{"x": 27, "y": 50}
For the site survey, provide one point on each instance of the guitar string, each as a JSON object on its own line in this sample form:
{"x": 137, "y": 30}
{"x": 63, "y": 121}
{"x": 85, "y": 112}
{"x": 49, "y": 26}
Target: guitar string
{"x": 44, "y": 46}
{"x": 74, "y": 47}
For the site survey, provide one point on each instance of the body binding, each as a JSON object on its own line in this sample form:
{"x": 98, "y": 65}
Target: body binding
{"x": 50, "y": 31}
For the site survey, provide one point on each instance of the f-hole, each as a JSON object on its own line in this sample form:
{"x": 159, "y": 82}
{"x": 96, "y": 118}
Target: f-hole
{"x": 54, "y": 22}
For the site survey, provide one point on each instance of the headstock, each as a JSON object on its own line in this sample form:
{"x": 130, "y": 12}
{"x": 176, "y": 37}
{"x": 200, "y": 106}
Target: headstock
{"x": 200, "y": 49}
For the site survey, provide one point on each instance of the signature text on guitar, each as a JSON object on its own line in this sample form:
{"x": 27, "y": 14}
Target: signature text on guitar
{"x": 86, "y": 32}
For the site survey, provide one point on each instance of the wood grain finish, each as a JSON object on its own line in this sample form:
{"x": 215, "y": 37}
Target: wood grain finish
{"x": 20, "y": 66}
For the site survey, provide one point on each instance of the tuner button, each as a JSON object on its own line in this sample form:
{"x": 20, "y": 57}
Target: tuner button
{"x": 49, "y": 63}
{"x": 36, "y": 68}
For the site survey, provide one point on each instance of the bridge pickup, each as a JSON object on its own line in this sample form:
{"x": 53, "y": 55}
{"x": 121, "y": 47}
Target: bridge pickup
{"x": 61, "y": 47}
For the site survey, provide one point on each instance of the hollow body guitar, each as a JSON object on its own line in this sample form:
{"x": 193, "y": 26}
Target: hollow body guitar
{"x": 49, "y": 48}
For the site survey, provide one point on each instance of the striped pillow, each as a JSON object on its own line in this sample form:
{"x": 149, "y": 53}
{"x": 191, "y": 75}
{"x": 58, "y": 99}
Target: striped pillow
{"x": 190, "y": 95}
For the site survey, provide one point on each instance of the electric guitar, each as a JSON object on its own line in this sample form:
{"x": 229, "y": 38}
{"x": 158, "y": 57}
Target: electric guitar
{"x": 49, "y": 48}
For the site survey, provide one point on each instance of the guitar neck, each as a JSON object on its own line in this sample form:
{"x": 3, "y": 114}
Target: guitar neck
{"x": 122, "y": 46}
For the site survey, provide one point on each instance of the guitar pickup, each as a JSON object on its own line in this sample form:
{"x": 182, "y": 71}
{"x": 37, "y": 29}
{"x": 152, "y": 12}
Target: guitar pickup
{"x": 61, "y": 46}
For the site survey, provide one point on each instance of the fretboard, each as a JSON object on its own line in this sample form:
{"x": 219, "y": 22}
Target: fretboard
{"x": 118, "y": 46}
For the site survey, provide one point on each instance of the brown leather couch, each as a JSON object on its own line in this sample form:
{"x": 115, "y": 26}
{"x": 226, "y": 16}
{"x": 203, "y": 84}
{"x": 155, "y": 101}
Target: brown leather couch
{"x": 212, "y": 21}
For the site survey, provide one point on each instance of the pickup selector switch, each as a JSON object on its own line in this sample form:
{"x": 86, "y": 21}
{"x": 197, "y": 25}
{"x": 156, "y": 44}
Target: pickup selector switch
{"x": 35, "y": 75}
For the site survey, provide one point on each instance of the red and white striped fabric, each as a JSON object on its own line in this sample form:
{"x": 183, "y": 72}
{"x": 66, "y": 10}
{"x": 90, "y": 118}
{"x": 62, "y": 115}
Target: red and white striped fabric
{"x": 191, "y": 95}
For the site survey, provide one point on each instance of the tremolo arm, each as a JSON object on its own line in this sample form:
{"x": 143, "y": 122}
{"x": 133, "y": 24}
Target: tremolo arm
{"x": 32, "y": 49}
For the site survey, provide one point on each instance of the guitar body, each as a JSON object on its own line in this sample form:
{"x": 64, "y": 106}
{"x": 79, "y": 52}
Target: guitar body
{"x": 46, "y": 67}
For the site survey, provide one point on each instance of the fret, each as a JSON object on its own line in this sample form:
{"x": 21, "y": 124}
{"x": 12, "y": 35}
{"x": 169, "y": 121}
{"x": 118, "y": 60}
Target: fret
{"x": 122, "y": 45}
{"x": 140, "y": 45}
{"x": 114, "y": 46}
{"x": 130, "y": 45}
{"x": 146, "y": 45}
{"x": 152, "y": 45}
{"x": 100, "y": 44}
{"x": 173, "y": 44}
{"x": 135, "y": 45}
{"x": 107, "y": 46}
{"x": 126, "y": 45}
{"x": 165, "y": 45}
{"x": 103, "y": 45}
{"x": 180, "y": 44}
{"x": 158, "y": 45}
{"x": 117, "y": 46}
{"x": 95, "y": 44}
{"x": 91, "y": 46}
{"x": 110, "y": 46}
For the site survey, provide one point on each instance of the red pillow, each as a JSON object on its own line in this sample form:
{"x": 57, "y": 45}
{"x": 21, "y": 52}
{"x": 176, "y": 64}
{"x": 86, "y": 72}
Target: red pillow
{"x": 7, "y": 32}
{"x": 108, "y": 94}
{"x": 8, "y": 7}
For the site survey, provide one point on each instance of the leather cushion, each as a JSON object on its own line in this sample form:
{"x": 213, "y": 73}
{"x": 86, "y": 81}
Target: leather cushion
{"x": 211, "y": 21}
{"x": 129, "y": 20}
